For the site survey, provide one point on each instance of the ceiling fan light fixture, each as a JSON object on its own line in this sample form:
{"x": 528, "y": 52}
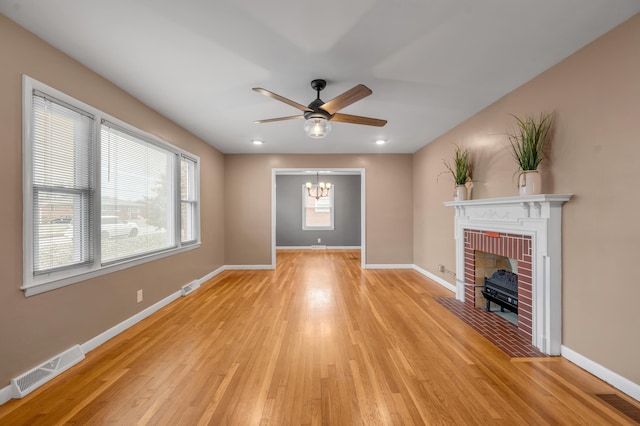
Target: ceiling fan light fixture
{"x": 317, "y": 127}
{"x": 318, "y": 113}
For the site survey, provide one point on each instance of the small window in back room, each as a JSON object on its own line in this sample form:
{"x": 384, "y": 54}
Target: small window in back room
{"x": 317, "y": 213}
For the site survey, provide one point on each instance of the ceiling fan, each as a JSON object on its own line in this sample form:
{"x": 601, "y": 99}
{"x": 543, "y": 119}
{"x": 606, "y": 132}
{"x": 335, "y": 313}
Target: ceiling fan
{"x": 319, "y": 113}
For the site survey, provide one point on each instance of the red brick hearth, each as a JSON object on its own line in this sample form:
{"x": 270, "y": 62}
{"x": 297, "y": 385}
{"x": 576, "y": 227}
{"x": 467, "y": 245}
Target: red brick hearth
{"x": 494, "y": 328}
{"x": 508, "y": 245}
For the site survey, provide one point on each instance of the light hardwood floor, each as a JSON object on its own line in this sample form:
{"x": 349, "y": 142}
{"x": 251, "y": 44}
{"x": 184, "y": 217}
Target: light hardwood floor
{"x": 317, "y": 341}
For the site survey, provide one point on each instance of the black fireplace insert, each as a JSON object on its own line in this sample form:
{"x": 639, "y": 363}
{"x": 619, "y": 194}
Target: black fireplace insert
{"x": 502, "y": 289}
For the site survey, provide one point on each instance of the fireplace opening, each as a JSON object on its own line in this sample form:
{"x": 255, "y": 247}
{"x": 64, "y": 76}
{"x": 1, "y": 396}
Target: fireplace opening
{"x": 496, "y": 287}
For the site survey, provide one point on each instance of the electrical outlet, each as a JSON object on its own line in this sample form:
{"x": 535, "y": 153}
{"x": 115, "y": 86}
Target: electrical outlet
{"x": 139, "y": 296}
{"x": 441, "y": 268}
{"x": 319, "y": 240}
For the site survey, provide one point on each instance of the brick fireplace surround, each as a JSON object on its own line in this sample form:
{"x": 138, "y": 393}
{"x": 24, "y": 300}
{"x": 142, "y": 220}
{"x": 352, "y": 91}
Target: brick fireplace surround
{"x": 528, "y": 229}
{"x": 514, "y": 246}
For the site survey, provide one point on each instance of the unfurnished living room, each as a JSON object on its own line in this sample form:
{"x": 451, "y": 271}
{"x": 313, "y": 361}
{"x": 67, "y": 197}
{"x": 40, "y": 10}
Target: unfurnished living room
{"x": 271, "y": 213}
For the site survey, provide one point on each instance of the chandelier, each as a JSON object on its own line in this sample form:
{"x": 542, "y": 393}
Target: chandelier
{"x": 319, "y": 189}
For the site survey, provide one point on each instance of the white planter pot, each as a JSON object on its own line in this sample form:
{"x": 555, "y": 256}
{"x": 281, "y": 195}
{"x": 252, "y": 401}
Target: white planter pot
{"x": 461, "y": 193}
{"x": 530, "y": 182}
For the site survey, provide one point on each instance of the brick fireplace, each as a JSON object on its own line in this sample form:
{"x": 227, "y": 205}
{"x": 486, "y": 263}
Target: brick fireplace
{"x": 525, "y": 228}
{"x": 513, "y": 246}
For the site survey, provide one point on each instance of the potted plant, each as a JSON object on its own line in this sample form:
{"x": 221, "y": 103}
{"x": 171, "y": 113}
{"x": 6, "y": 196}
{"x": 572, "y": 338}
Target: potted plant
{"x": 460, "y": 171}
{"x": 527, "y": 142}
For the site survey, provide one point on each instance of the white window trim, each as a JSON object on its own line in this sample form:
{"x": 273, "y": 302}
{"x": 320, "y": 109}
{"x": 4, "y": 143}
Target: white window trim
{"x": 56, "y": 279}
{"x": 195, "y": 203}
{"x": 304, "y": 208}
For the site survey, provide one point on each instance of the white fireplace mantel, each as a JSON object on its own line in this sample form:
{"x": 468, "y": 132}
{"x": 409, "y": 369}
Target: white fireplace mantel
{"x": 538, "y": 216}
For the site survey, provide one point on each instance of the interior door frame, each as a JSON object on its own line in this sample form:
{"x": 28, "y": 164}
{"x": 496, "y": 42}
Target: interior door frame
{"x": 337, "y": 171}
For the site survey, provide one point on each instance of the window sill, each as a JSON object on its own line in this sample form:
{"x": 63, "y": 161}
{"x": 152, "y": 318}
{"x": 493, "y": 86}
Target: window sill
{"x": 52, "y": 283}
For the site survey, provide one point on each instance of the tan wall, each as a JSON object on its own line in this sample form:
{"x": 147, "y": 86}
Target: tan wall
{"x": 389, "y": 227}
{"x": 36, "y": 328}
{"x": 595, "y": 154}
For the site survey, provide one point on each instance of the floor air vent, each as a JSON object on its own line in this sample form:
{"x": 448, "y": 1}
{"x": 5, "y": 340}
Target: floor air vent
{"x": 318, "y": 247}
{"x": 193, "y": 285}
{"x": 35, "y": 378}
{"x": 621, "y": 405}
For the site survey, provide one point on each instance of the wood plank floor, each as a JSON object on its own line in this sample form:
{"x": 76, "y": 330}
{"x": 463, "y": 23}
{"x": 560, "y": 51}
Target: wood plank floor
{"x": 317, "y": 341}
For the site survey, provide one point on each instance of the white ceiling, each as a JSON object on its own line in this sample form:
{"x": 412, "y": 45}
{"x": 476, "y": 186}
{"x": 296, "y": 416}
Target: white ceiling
{"x": 430, "y": 63}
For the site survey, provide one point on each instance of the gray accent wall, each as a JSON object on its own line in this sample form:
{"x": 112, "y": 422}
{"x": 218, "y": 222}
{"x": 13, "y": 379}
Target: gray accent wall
{"x": 346, "y": 218}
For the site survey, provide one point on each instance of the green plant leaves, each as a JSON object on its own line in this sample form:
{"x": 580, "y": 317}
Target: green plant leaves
{"x": 529, "y": 139}
{"x": 461, "y": 168}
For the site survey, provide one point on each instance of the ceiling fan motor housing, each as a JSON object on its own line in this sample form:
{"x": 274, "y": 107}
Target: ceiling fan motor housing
{"x": 317, "y": 112}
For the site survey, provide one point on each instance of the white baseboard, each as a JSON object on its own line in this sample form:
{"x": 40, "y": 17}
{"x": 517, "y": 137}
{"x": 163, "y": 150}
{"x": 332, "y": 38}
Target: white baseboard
{"x": 424, "y": 272}
{"x": 387, "y": 266}
{"x": 436, "y": 278}
{"x": 119, "y": 328}
{"x": 614, "y": 379}
{"x": 247, "y": 267}
{"x": 311, "y": 247}
{"x": 211, "y": 275}
{"x": 6, "y": 394}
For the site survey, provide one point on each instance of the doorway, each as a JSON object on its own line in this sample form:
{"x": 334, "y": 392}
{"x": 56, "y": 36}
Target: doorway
{"x": 311, "y": 172}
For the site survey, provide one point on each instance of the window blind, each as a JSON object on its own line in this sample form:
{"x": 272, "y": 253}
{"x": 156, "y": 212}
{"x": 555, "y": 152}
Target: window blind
{"x": 188, "y": 199}
{"x": 137, "y": 201}
{"x": 62, "y": 184}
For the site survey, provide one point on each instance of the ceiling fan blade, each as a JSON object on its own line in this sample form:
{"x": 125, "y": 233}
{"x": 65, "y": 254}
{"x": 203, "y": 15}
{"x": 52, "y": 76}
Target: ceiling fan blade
{"x": 347, "y": 98}
{"x": 269, "y": 120}
{"x": 281, "y": 99}
{"x": 356, "y": 119}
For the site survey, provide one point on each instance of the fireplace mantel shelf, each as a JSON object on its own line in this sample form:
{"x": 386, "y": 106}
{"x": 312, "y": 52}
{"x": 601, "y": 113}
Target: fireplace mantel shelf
{"x": 540, "y": 198}
{"x": 505, "y": 210}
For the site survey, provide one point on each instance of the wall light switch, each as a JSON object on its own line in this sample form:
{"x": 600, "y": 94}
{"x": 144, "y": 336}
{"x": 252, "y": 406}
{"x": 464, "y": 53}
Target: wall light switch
{"x": 319, "y": 240}
{"x": 139, "y": 298}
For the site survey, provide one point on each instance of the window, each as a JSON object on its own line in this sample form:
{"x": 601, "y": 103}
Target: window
{"x": 136, "y": 176}
{"x": 317, "y": 214}
{"x": 188, "y": 200}
{"x": 62, "y": 184}
{"x": 100, "y": 195}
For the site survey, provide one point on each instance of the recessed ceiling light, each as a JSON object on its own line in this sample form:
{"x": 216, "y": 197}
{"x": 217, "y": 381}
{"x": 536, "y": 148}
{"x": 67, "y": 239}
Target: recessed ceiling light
{"x": 381, "y": 142}
{"x": 258, "y": 142}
